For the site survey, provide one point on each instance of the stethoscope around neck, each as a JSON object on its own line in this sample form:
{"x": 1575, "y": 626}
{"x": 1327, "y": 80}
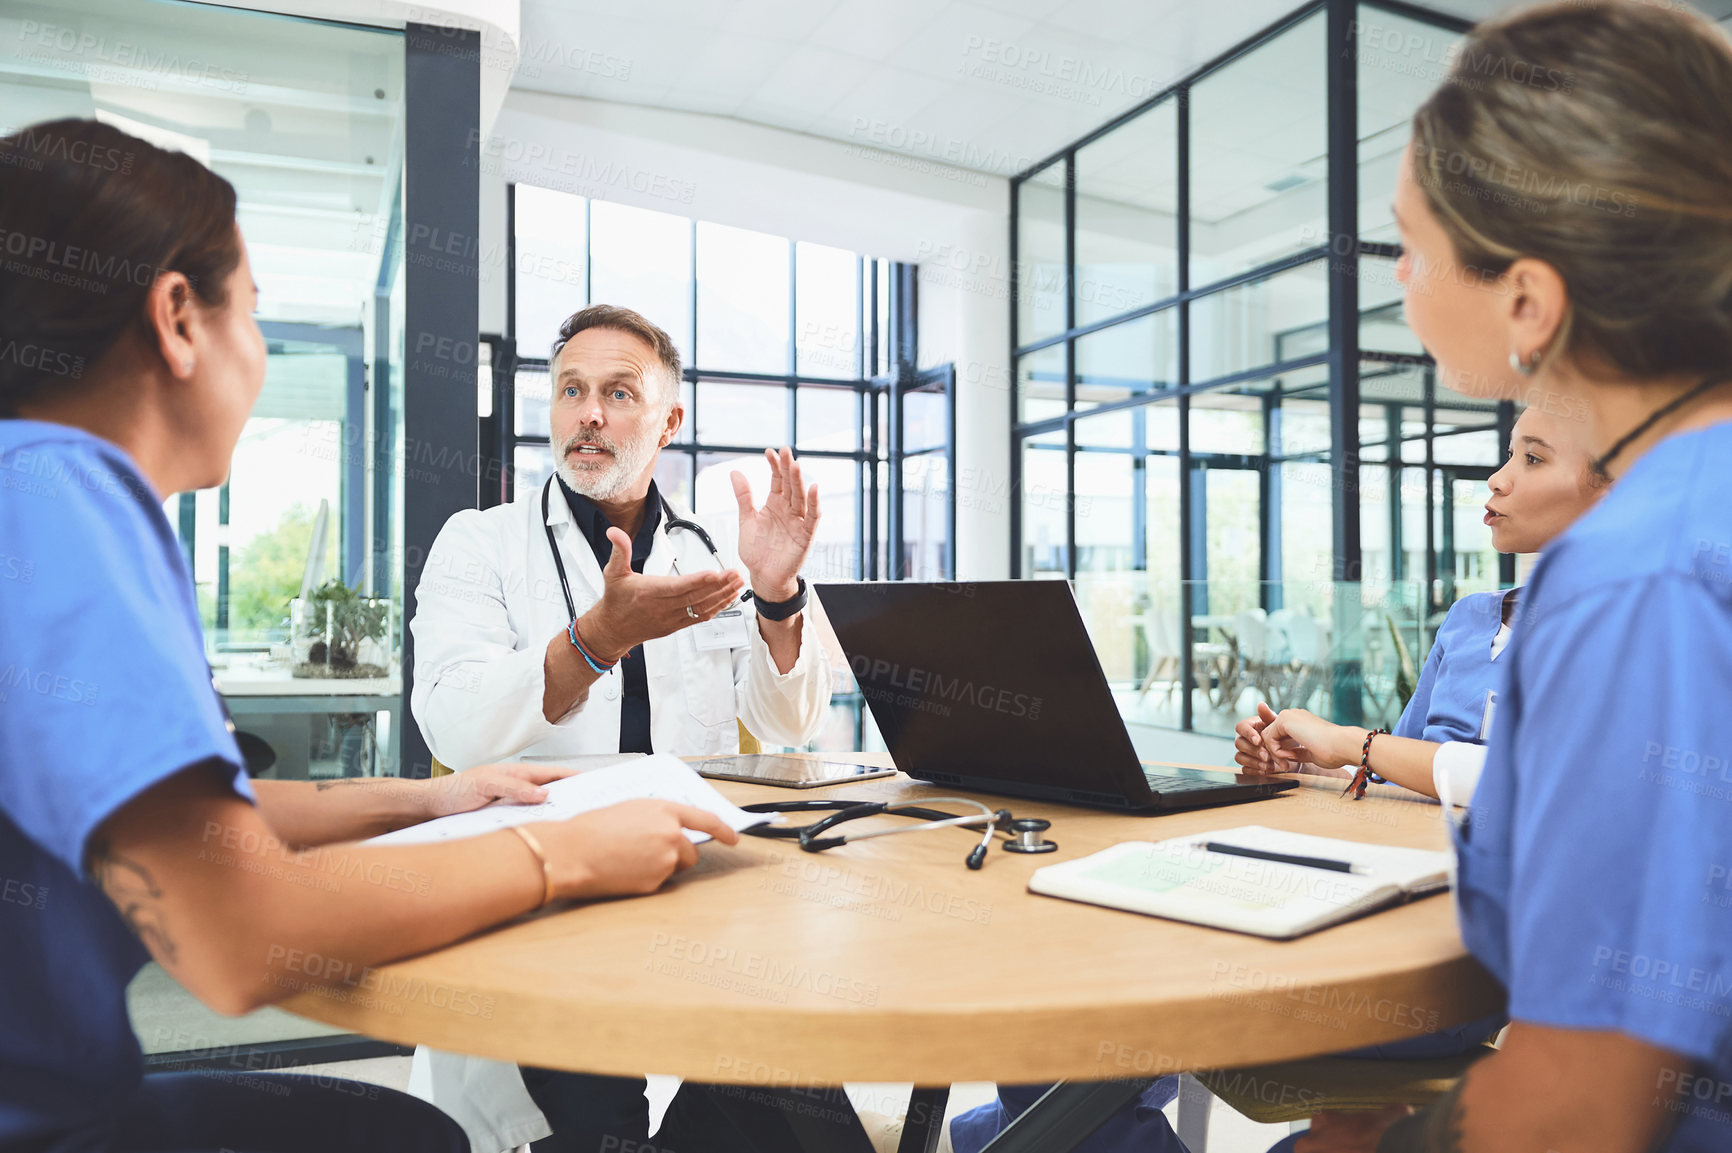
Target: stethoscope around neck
{"x": 669, "y": 520}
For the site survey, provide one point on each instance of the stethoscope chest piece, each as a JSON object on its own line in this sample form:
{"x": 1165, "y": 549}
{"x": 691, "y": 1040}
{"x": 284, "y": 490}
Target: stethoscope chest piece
{"x": 1025, "y": 836}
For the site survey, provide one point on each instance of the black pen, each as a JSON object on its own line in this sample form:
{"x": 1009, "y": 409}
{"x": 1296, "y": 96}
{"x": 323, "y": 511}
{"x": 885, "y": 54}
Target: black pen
{"x": 1285, "y": 858}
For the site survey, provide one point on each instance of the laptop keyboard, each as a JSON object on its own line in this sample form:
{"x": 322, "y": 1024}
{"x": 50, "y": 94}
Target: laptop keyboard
{"x": 1178, "y": 783}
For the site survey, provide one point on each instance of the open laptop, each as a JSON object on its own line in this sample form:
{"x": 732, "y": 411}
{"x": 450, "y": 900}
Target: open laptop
{"x": 994, "y": 686}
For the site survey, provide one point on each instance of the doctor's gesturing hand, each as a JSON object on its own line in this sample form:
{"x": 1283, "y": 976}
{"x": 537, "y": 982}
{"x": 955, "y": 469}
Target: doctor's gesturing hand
{"x": 635, "y": 608}
{"x": 774, "y": 541}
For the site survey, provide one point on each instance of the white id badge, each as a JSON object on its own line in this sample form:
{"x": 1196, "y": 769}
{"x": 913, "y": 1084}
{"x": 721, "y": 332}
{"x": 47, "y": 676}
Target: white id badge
{"x": 727, "y": 630}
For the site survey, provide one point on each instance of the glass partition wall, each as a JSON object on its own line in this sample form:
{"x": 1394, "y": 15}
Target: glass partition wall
{"x": 306, "y": 119}
{"x": 1203, "y": 287}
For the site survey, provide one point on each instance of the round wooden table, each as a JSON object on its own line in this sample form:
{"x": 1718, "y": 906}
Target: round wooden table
{"x": 888, "y": 960}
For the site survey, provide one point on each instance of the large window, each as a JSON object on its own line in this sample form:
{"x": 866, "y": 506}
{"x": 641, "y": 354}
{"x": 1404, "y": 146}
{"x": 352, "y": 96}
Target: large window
{"x": 1175, "y": 383}
{"x": 784, "y": 342}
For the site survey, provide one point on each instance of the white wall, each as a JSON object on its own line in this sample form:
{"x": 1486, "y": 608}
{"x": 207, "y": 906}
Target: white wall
{"x": 498, "y": 21}
{"x": 965, "y": 321}
{"x": 952, "y": 222}
{"x": 491, "y": 253}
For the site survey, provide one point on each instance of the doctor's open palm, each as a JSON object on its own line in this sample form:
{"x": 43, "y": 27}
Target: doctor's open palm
{"x": 775, "y": 539}
{"x": 635, "y": 608}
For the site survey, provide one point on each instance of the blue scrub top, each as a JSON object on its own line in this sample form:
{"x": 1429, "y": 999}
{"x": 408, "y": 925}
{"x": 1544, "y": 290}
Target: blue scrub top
{"x": 1596, "y": 865}
{"x": 1460, "y": 674}
{"x": 104, "y": 692}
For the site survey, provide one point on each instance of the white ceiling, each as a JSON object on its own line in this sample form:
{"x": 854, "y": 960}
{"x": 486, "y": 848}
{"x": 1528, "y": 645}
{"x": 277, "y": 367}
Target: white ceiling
{"x": 990, "y": 85}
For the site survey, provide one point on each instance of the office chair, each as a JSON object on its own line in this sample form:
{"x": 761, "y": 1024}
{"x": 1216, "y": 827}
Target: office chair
{"x": 256, "y": 752}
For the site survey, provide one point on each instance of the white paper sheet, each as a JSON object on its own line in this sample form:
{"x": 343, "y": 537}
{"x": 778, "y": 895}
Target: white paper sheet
{"x": 661, "y": 777}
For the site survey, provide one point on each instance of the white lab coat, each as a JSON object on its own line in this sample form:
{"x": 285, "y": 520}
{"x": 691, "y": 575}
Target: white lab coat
{"x": 487, "y": 604}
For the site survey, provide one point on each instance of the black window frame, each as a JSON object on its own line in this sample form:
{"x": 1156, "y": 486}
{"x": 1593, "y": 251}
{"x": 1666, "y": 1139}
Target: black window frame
{"x": 1347, "y": 363}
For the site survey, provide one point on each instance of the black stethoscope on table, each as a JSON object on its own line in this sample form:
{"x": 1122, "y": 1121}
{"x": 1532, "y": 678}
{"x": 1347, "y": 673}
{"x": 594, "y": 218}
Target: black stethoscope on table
{"x": 1025, "y": 832}
{"x": 670, "y": 522}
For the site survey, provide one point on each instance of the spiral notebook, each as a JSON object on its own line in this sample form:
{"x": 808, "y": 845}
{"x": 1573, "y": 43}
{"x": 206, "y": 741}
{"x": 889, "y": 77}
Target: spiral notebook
{"x": 1181, "y": 880}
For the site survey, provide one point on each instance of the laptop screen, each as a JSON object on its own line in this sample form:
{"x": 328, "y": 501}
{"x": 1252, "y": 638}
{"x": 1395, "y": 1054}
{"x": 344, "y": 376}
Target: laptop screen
{"x": 989, "y": 679}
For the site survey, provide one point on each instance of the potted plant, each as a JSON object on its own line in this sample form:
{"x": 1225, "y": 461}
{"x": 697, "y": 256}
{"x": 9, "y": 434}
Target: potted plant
{"x": 337, "y": 632}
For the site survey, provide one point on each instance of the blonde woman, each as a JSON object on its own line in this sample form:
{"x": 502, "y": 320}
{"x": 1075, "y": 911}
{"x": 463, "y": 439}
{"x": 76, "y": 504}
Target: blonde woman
{"x": 1592, "y": 865}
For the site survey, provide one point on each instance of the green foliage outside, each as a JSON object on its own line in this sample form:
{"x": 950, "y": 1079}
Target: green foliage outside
{"x": 267, "y": 573}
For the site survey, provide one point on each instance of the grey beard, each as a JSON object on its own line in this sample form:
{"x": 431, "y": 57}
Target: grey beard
{"x": 628, "y": 461}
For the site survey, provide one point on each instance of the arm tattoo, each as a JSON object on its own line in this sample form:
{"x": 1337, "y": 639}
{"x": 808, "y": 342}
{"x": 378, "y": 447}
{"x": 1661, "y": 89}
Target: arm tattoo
{"x": 135, "y": 894}
{"x": 1436, "y": 1130}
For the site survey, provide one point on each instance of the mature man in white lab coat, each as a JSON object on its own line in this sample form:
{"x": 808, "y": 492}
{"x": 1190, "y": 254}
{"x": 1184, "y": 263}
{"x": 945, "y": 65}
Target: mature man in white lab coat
{"x": 591, "y": 616}
{"x": 500, "y": 671}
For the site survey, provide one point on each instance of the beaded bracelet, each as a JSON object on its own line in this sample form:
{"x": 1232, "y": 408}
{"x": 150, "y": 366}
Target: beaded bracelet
{"x": 596, "y": 664}
{"x": 1365, "y": 776}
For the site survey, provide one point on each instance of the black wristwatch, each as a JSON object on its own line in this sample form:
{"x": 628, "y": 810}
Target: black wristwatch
{"x": 782, "y": 610}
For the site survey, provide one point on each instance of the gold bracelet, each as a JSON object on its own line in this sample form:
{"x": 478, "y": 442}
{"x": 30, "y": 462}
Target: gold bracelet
{"x": 546, "y": 866}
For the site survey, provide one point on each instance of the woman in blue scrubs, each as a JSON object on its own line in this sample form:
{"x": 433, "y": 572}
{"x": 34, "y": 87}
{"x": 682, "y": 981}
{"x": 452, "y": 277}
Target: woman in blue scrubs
{"x": 128, "y": 827}
{"x": 1438, "y": 743}
{"x": 1565, "y": 210}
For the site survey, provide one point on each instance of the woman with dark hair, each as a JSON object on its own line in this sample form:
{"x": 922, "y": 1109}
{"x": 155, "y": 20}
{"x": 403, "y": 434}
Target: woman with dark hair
{"x": 129, "y": 360}
{"x": 1565, "y": 210}
{"x": 1438, "y": 743}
